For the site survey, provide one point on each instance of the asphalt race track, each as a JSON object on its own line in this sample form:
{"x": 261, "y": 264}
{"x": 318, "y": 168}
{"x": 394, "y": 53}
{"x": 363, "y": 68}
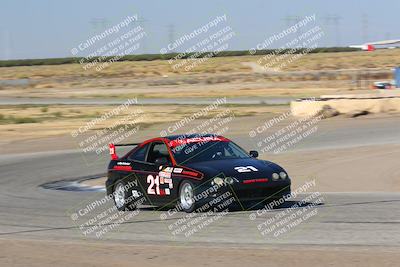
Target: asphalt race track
{"x": 344, "y": 218}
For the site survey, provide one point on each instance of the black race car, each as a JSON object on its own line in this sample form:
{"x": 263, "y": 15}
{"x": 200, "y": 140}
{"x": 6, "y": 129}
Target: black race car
{"x": 190, "y": 170}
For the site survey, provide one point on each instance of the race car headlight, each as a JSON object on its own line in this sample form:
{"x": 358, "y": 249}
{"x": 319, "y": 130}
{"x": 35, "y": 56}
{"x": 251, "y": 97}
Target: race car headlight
{"x": 283, "y": 175}
{"x": 275, "y": 176}
{"x": 217, "y": 181}
{"x": 229, "y": 180}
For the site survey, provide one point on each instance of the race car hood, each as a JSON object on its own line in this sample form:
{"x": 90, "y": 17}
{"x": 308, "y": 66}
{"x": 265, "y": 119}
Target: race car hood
{"x": 238, "y": 168}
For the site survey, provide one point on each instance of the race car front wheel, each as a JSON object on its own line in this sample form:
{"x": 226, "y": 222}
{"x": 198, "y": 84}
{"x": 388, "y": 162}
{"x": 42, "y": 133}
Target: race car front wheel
{"x": 122, "y": 197}
{"x": 186, "y": 197}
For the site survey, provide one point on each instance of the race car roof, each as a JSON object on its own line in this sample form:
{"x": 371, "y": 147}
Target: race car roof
{"x": 178, "y": 140}
{"x": 174, "y": 140}
{"x": 180, "y": 136}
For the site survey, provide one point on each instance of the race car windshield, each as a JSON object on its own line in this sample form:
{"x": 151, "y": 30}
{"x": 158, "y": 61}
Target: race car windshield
{"x": 207, "y": 151}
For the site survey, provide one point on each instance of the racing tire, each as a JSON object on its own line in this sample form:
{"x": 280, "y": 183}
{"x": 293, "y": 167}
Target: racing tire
{"x": 186, "y": 199}
{"x": 122, "y": 196}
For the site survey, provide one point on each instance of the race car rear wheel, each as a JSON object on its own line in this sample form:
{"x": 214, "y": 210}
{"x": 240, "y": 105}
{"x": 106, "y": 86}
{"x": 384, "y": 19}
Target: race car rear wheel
{"x": 186, "y": 197}
{"x": 122, "y": 197}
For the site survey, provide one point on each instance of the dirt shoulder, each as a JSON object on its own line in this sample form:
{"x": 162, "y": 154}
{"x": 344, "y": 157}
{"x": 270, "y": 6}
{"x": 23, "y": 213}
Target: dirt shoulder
{"x": 223, "y": 76}
{"x": 30, "y": 124}
{"x": 85, "y": 253}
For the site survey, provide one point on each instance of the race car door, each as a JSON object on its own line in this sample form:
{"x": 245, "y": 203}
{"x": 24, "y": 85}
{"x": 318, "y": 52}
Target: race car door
{"x": 158, "y": 169}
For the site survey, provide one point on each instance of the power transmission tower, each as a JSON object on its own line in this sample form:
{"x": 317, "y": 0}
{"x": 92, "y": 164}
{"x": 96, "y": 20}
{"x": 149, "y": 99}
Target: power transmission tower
{"x": 99, "y": 23}
{"x": 171, "y": 34}
{"x": 292, "y": 20}
{"x": 6, "y": 36}
{"x": 334, "y": 20}
{"x": 141, "y": 21}
{"x": 365, "y": 27}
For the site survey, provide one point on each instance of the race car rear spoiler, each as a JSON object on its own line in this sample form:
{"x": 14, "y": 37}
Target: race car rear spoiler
{"x": 113, "y": 153}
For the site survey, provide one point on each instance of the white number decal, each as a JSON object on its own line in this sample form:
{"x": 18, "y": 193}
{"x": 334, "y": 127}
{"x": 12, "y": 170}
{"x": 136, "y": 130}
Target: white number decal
{"x": 246, "y": 169}
{"x": 150, "y": 189}
{"x": 156, "y": 182}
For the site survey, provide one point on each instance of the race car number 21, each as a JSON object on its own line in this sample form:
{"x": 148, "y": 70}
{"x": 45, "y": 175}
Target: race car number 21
{"x": 154, "y": 185}
{"x": 246, "y": 169}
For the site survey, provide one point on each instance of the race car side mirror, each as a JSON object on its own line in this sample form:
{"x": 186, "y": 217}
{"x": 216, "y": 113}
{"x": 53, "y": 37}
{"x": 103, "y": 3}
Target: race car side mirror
{"x": 253, "y": 154}
{"x": 161, "y": 161}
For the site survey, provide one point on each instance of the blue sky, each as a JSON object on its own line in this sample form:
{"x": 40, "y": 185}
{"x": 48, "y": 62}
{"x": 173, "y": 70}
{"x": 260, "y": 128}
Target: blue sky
{"x": 50, "y": 28}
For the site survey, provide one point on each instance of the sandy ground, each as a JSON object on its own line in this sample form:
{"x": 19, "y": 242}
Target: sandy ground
{"x": 253, "y": 88}
{"x": 358, "y": 169}
{"x": 54, "y": 253}
{"x": 224, "y": 76}
{"x": 59, "y": 121}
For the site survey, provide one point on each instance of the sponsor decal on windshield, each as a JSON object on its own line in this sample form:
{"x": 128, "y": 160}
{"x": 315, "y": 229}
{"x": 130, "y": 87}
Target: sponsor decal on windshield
{"x": 179, "y": 142}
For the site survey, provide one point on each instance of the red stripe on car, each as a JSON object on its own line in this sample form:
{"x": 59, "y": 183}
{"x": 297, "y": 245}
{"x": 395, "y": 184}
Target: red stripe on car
{"x": 122, "y": 168}
{"x": 252, "y": 181}
{"x": 195, "y": 174}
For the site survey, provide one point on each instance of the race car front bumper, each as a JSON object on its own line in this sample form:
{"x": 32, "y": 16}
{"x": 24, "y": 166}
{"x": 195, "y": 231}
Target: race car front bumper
{"x": 255, "y": 192}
